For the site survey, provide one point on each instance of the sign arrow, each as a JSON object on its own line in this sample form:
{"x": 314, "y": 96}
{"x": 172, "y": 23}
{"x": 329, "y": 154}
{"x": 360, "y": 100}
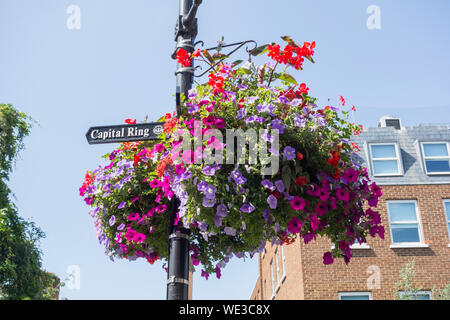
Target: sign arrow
{"x": 125, "y": 133}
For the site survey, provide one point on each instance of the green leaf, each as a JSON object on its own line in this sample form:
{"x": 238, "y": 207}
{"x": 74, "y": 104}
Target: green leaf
{"x": 208, "y": 56}
{"x": 236, "y": 63}
{"x": 286, "y": 77}
{"x": 219, "y": 56}
{"x": 286, "y": 175}
{"x": 289, "y": 40}
{"x": 259, "y": 50}
{"x": 243, "y": 70}
{"x": 310, "y": 59}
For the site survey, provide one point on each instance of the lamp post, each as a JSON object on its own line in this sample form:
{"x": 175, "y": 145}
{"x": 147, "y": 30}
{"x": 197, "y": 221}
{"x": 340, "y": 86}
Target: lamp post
{"x": 178, "y": 262}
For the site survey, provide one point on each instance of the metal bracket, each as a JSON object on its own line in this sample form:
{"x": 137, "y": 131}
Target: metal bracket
{"x": 179, "y": 235}
{"x": 173, "y": 280}
{"x": 238, "y": 45}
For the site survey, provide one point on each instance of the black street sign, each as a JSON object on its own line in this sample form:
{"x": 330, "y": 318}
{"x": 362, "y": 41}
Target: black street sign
{"x": 125, "y": 133}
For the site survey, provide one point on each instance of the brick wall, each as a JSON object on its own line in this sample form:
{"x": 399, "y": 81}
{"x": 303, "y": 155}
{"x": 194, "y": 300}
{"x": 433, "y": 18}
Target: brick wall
{"x": 307, "y": 277}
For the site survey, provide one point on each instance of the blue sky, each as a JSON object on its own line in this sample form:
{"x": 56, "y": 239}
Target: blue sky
{"x": 117, "y": 66}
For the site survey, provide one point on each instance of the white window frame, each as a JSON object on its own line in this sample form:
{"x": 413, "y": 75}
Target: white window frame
{"x": 278, "y": 270}
{"x": 424, "y": 158}
{"x": 447, "y": 220}
{"x": 419, "y": 244}
{"x": 425, "y": 292}
{"x": 398, "y": 158}
{"x": 346, "y": 294}
{"x": 273, "y": 280}
{"x": 283, "y": 257}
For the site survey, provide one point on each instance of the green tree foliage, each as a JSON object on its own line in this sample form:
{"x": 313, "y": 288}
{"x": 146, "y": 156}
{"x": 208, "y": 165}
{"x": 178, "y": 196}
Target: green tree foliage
{"x": 21, "y": 276}
{"x": 405, "y": 289}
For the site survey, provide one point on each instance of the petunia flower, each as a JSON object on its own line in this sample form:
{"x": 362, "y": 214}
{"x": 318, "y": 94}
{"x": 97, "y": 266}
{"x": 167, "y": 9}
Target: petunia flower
{"x": 121, "y": 205}
{"x": 248, "y": 208}
{"x": 327, "y": 258}
{"x": 289, "y": 153}
{"x": 272, "y": 201}
{"x": 294, "y": 225}
{"x": 298, "y": 203}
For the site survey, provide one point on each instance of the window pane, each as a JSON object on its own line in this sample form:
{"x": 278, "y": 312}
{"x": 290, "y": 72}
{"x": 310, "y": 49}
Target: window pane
{"x": 385, "y": 167}
{"x": 435, "y": 150}
{"x": 405, "y": 233}
{"x": 384, "y": 151}
{"x": 447, "y": 210}
{"x": 402, "y": 211}
{"x": 423, "y": 296}
{"x": 438, "y": 165}
{"x": 355, "y": 297}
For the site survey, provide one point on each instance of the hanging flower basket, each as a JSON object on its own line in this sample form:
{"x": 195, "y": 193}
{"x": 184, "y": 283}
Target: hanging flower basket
{"x": 252, "y": 159}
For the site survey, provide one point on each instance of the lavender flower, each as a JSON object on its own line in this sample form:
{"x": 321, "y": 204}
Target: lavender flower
{"x": 230, "y": 231}
{"x": 248, "y": 208}
{"x": 280, "y": 185}
{"x": 272, "y": 201}
{"x": 209, "y": 202}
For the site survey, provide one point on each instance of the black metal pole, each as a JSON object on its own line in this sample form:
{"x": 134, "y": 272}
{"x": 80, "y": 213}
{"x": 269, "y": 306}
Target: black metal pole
{"x": 178, "y": 262}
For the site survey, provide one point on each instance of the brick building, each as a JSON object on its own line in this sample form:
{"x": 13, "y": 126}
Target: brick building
{"x": 411, "y": 164}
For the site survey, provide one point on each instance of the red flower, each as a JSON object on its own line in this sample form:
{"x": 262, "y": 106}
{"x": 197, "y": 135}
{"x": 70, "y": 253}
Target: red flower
{"x": 303, "y": 89}
{"x": 300, "y": 181}
{"x": 342, "y": 100}
{"x": 136, "y": 160}
{"x": 183, "y": 57}
{"x": 299, "y": 156}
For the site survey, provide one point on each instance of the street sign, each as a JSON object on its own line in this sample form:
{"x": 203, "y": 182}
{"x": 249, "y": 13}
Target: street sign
{"x": 124, "y": 133}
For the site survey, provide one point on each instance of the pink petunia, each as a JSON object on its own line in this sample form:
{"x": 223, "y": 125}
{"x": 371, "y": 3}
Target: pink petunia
{"x": 298, "y": 203}
{"x": 314, "y": 222}
{"x": 327, "y": 258}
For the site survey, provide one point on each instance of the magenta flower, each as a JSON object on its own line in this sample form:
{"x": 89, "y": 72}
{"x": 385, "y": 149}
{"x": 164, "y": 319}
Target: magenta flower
{"x": 351, "y": 175}
{"x": 376, "y": 190}
{"x": 298, "y": 203}
{"x": 343, "y": 195}
{"x": 155, "y": 183}
{"x": 139, "y": 237}
{"x": 327, "y": 258}
{"x": 161, "y": 208}
{"x": 135, "y": 199}
{"x": 220, "y": 123}
{"x": 129, "y": 235}
{"x": 294, "y": 225}
{"x": 321, "y": 208}
{"x": 133, "y": 216}
{"x": 159, "y": 147}
{"x": 314, "y": 222}
{"x": 323, "y": 194}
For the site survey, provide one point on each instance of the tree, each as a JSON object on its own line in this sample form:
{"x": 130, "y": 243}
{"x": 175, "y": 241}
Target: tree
{"x": 21, "y": 276}
{"x": 405, "y": 289}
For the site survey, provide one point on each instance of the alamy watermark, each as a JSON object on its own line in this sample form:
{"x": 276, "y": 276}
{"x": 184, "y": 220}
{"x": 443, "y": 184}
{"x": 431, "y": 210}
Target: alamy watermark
{"x": 74, "y": 20}
{"x": 263, "y": 146}
{"x": 374, "y": 20}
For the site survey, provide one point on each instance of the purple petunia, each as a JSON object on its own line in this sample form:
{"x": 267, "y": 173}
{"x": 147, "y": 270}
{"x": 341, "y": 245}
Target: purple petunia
{"x": 289, "y": 153}
{"x": 272, "y": 201}
{"x": 121, "y": 205}
{"x": 248, "y": 208}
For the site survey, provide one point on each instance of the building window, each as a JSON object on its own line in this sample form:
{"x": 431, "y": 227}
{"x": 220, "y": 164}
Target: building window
{"x": 404, "y": 222}
{"x": 436, "y": 157}
{"x": 419, "y": 295}
{"x": 385, "y": 159}
{"x": 355, "y": 296}
{"x": 447, "y": 214}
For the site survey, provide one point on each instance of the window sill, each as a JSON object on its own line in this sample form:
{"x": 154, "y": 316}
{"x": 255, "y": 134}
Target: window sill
{"x": 359, "y": 246}
{"x": 272, "y": 297}
{"x": 408, "y": 245}
{"x": 356, "y": 246}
